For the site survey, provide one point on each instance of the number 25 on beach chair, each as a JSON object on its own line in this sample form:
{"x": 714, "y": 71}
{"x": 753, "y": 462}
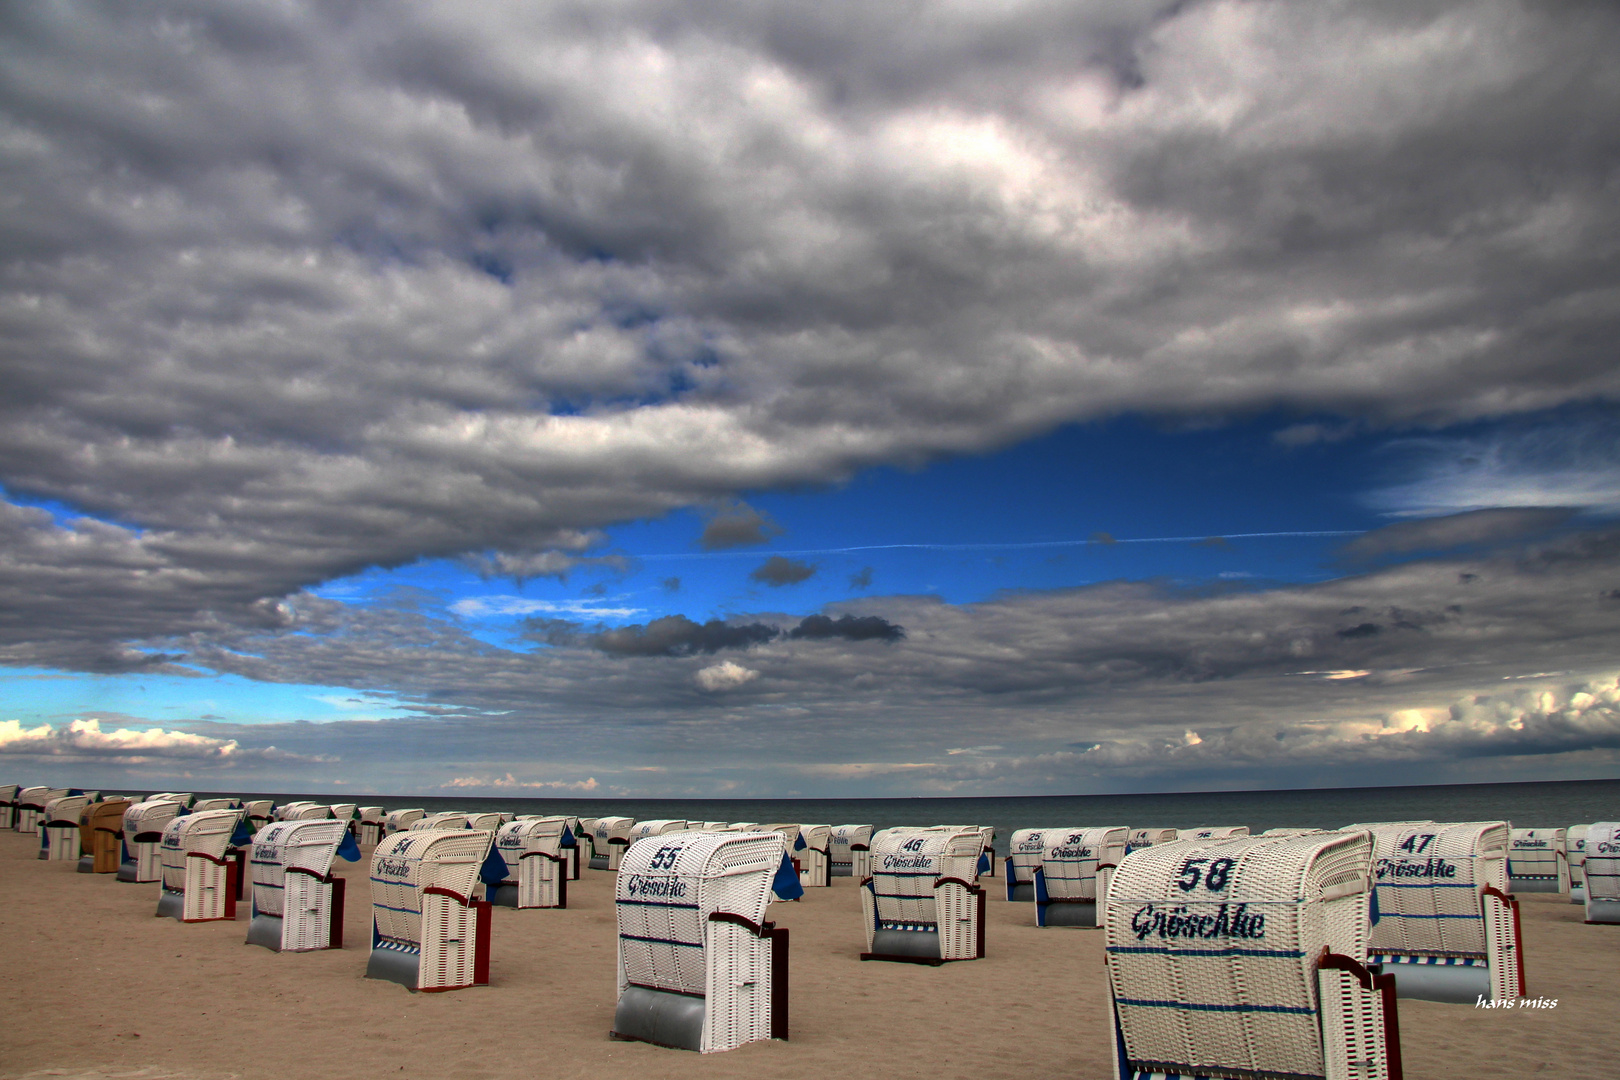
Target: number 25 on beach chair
{"x": 297, "y": 902}
{"x": 1244, "y": 959}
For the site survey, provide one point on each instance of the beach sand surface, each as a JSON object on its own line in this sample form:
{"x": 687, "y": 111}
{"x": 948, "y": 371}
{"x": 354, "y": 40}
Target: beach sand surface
{"x": 94, "y": 987}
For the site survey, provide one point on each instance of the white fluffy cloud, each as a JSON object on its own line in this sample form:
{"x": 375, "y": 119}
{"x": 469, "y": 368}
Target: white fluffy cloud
{"x": 84, "y": 740}
{"x": 726, "y": 675}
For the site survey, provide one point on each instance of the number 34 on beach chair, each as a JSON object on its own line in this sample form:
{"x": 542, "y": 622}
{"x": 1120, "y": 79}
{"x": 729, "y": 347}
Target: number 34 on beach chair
{"x": 1246, "y": 959}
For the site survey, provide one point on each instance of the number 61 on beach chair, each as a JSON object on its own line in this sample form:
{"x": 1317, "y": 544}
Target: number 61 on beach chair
{"x": 1245, "y": 959}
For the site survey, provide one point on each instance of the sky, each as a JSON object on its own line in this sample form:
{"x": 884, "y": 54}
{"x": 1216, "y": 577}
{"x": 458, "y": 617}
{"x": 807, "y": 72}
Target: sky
{"x": 768, "y": 399}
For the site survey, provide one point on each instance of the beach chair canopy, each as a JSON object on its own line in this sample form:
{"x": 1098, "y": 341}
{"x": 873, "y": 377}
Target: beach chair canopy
{"x": 64, "y": 810}
{"x": 1213, "y": 832}
{"x": 373, "y": 814}
{"x": 398, "y": 820}
{"x": 145, "y": 821}
{"x": 215, "y": 804}
{"x": 204, "y": 832}
{"x": 1215, "y": 958}
{"x": 490, "y": 821}
{"x": 443, "y": 819}
{"x": 309, "y": 846}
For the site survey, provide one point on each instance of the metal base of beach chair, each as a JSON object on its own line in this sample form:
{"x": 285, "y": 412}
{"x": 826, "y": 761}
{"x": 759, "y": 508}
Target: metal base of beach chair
{"x": 129, "y": 870}
{"x": 395, "y": 965}
{"x": 87, "y": 864}
{"x": 1022, "y": 891}
{"x": 1577, "y": 894}
{"x": 1547, "y": 884}
{"x": 1602, "y": 911}
{"x": 171, "y": 905}
{"x": 599, "y": 862}
{"x": 905, "y": 946}
{"x": 266, "y": 930}
{"x": 842, "y": 869}
{"x": 1454, "y": 984}
{"x": 659, "y": 1017}
{"x": 504, "y": 896}
{"x": 1066, "y": 913}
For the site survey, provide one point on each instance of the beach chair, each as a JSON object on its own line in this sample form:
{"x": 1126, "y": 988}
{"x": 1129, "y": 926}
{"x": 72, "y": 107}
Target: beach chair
{"x": 1443, "y": 922}
{"x": 399, "y": 820}
{"x": 1537, "y": 861}
{"x": 372, "y": 820}
{"x": 297, "y": 900}
{"x": 59, "y": 828}
{"x": 1246, "y": 959}
{"x": 8, "y": 805}
{"x": 656, "y": 827}
{"x": 921, "y": 904}
{"x": 199, "y": 882}
{"x": 1575, "y": 855}
{"x": 258, "y": 813}
{"x": 850, "y": 851}
{"x": 1219, "y": 832}
{"x": 429, "y": 929}
{"x": 487, "y": 821}
{"x": 214, "y": 804}
{"x": 585, "y": 837}
{"x": 349, "y": 814}
{"x": 31, "y": 806}
{"x": 1601, "y": 872}
{"x": 101, "y": 836}
{"x": 1292, "y": 831}
{"x": 1146, "y": 838}
{"x": 578, "y": 852}
{"x": 144, "y": 823}
{"x": 536, "y": 855}
{"x": 1024, "y": 851}
{"x": 815, "y": 858}
{"x": 609, "y": 838}
{"x": 714, "y": 826}
{"x": 699, "y": 967}
{"x": 1071, "y": 880}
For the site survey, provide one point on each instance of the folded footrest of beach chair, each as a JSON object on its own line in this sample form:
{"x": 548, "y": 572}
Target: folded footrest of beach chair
{"x": 199, "y": 881}
{"x": 1602, "y": 872}
{"x": 1072, "y": 878}
{"x": 1537, "y": 861}
{"x": 8, "y": 805}
{"x": 609, "y": 839}
{"x": 144, "y": 822}
{"x": 297, "y": 901}
{"x": 536, "y": 863}
{"x": 921, "y": 903}
{"x": 60, "y": 838}
{"x": 1441, "y": 919}
{"x": 699, "y": 967}
{"x": 429, "y": 929}
{"x": 101, "y": 836}
{"x": 1024, "y": 850}
{"x": 1244, "y": 958}
{"x": 1575, "y": 853}
{"x": 850, "y": 851}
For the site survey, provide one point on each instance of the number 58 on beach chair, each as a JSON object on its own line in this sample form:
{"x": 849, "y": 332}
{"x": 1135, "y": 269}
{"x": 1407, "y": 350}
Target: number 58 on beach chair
{"x": 1244, "y": 959}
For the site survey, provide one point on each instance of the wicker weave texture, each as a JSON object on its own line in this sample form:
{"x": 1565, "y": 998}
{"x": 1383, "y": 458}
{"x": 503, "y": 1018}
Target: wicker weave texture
{"x": 1145, "y": 838}
{"x": 914, "y": 885}
{"x": 1429, "y": 878}
{"x": 1212, "y": 948}
{"x": 308, "y": 845}
{"x": 1024, "y": 850}
{"x": 150, "y": 818}
{"x": 532, "y": 850}
{"x": 400, "y": 820}
{"x": 1538, "y": 856}
{"x": 842, "y": 844}
{"x": 405, "y": 864}
{"x": 193, "y": 852}
{"x": 1071, "y": 860}
{"x": 1602, "y": 868}
{"x": 62, "y": 835}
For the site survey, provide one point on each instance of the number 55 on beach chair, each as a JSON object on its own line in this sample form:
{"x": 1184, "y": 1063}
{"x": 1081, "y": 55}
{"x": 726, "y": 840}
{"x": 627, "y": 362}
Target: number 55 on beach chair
{"x": 1244, "y": 959}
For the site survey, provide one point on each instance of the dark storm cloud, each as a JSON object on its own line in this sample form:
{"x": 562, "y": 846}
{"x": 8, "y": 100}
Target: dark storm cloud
{"x": 861, "y": 579}
{"x": 288, "y": 292}
{"x": 848, "y": 627}
{"x": 736, "y": 525}
{"x": 1454, "y": 531}
{"x": 778, "y": 570}
{"x": 676, "y": 635}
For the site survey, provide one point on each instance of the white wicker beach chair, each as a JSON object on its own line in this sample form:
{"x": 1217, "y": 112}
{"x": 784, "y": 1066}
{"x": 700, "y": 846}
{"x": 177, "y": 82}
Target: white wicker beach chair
{"x": 345, "y": 811}
{"x": 297, "y": 900}
{"x": 655, "y": 827}
{"x": 398, "y": 820}
{"x": 921, "y": 903}
{"x": 59, "y": 828}
{"x": 585, "y": 837}
{"x": 1024, "y": 851}
{"x": 1146, "y": 838}
{"x": 199, "y": 882}
{"x": 609, "y": 839}
{"x": 1072, "y": 878}
{"x": 258, "y": 812}
{"x": 815, "y": 858}
{"x": 214, "y": 804}
{"x": 101, "y": 835}
{"x": 1537, "y": 861}
{"x": 850, "y": 851}
{"x": 1575, "y": 854}
{"x": 8, "y": 805}
{"x": 536, "y": 863}
{"x": 144, "y": 823}
{"x": 429, "y": 930}
{"x": 1246, "y": 959}
{"x": 713, "y": 826}
{"x": 1218, "y": 832}
{"x": 31, "y": 806}
{"x": 443, "y": 819}
{"x": 699, "y": 967}
{"x": 987, "y": 865}
{"x": 1443, "y": 922}
{"x": 370, "y": 829}
{"x": 487, "y": 821}
{"x": 1602, "y": 872}
{"x": 1293, "y": 831}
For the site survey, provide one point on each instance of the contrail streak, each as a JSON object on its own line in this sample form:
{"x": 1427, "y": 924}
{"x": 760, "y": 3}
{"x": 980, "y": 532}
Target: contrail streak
{"x": 999, "y": 545}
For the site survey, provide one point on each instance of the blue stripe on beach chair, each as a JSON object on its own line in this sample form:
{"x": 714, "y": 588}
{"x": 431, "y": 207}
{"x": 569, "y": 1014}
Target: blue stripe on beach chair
{"x": 401, "y": 910}
{"x": 1165, "y": 950}
{"x": 656, "y": 903}
{"x": 1199, "y": 1006}
{"x": 1425, "y": 885}
{"x": 661, "y": 941}
{"x": 1415, "y": 915}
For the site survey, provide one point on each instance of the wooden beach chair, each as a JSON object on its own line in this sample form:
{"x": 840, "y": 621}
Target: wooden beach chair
{"x": 536, "y": 854}
{"x": 815, "y": 858}
{"x": 850, "y": 851}
{"x": 1024, "y": 850}
{"x": 370, "y": 829}
{"x": 1602, "y": 872}
{"x": 1146, "y": 838}
{"x": 1575, "y": 855}
{"x": 399, "y": 820}
{"x": 699, "y": 967}
{"x": 1245, "y": 959}
{"x": 101, "y": 836}
{"x": 1443, "y": 922}
{"x": 610, "y": 838}
{"x": 8, "y": 805}
{"x": 921, "y": 903}
{"x": 1537, "y": 861}
{"x": 199, "y": 882}
{"x": 297, "y": 900}
{"x": 59, "y": 828}
{"x": 144, "y": 823}
{"x": 1071, "y": 881}
{"x": 429, "y": 929}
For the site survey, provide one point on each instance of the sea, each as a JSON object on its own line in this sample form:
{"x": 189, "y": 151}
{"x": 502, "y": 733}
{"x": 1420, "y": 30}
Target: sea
{"x": 1547, "y": 804}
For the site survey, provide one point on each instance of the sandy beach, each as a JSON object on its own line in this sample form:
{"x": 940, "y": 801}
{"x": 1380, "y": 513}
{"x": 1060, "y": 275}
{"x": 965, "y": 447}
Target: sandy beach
{"x": 96, "y": 987}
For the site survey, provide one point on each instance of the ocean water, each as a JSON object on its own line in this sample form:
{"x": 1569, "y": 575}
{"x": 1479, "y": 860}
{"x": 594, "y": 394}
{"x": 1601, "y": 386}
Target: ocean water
{"x": 1545, "y": 804}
